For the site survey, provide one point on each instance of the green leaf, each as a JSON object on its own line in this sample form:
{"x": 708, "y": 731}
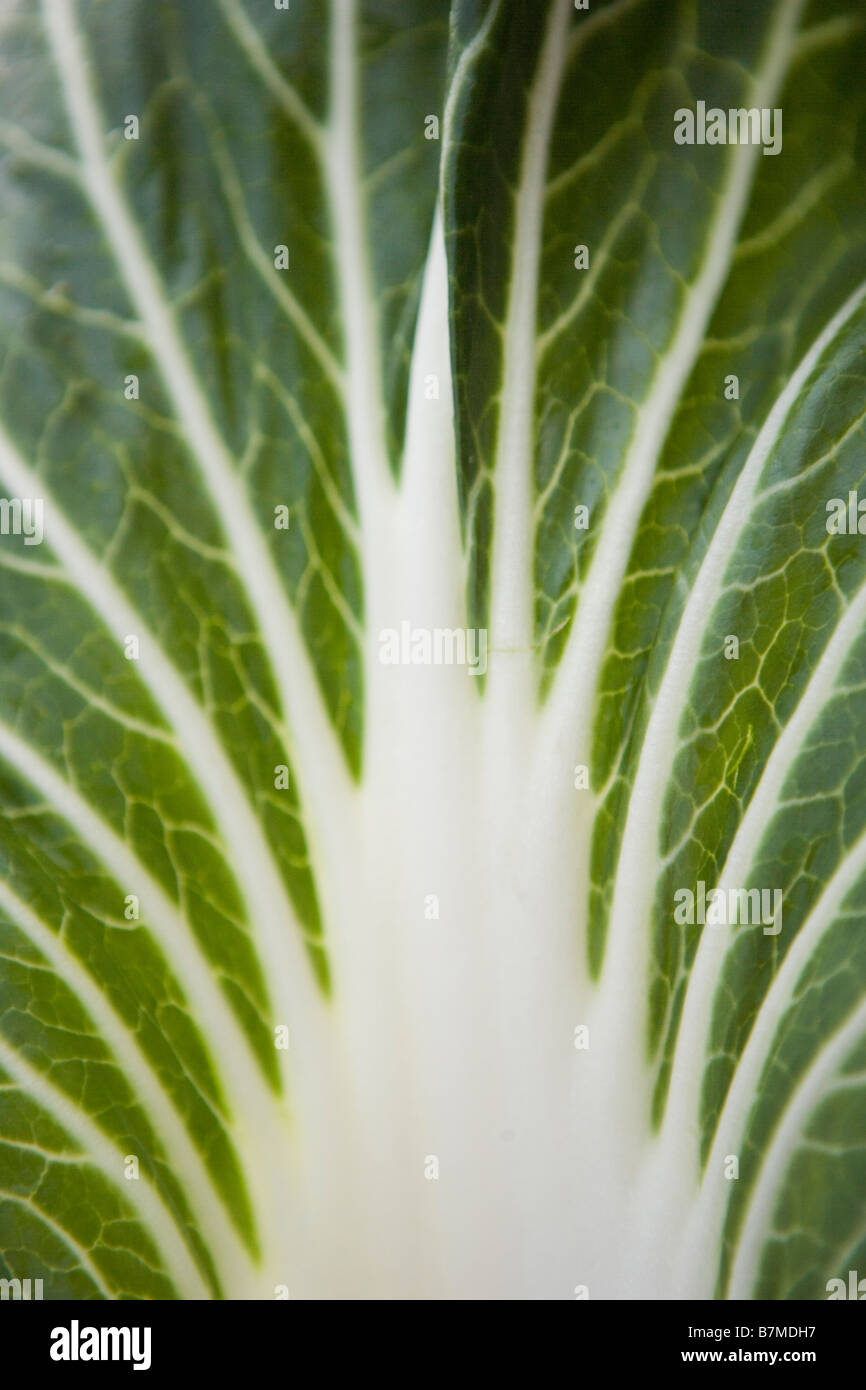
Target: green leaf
{"x": 434, "y": 593}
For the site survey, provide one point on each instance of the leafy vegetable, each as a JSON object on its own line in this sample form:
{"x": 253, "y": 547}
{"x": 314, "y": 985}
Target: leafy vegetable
{"x": 348, "y": 349}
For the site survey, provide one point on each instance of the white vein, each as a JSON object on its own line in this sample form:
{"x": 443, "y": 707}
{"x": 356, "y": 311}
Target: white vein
{"x": 342, "y": 164}
{"x": 40, "y": 156}
{"x": 594, "y": 23}
{"x": 337, "y": 146}
{"x": 260, "y": 59}
{"x": 56, "y": 301}
{"x": 777, "y": 1157}
{"x": 92, "y": 698}
{"x": 462, "y": 71}
{"x": 626, "y": 962}
{"x": 273, "y": 279}
{"x": 705, "y": 1222}
{"x": 82, "y": 1257}
{"x": 828, "y": 34}
{"x": 809, "y": 196}
{"x": 511, "y": 586}
{"x": 321, "y": 774}
{"x": 244, "y": 1088}
{"x": 577, "y": 675}
{"x": 194, "y": 1177}
{"x": 157, "y": 1219}
{"x": 244, "y": 847}
{"x": 713, "y": 945}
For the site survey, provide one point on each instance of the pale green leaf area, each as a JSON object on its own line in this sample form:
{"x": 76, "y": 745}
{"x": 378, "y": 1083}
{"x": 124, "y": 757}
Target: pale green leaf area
{"x": 432, "y": 648}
